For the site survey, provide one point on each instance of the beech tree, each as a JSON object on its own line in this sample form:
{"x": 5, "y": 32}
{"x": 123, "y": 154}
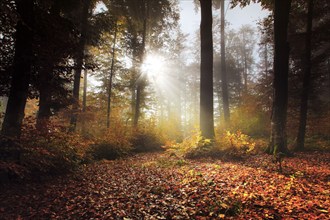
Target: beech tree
{"x": 79, "y": 62}
{"x": 223, "y": 73}
{"x": 206, "y": 71}
{"x": 278, "y": 139}
{"x": 306, "y": 79}
{"x": 21, "y": 69}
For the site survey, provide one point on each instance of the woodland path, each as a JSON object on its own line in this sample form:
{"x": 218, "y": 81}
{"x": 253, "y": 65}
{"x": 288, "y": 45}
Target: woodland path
{"x": 155, "y": 186}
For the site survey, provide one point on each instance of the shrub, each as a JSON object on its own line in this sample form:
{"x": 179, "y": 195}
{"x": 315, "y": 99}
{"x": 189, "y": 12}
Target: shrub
{"x": 146, "y": 141}
{"x": 108, "y": 151}
{"x": 115, "y": 142}
{"x": 193, "y": 146}
{"x": 234, "y": 144}
{"x": 148, "y": 137}
{"x": 51, "y": 150}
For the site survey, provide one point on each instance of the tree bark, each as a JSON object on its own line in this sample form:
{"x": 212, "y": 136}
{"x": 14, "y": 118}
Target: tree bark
{"x": 84, "y": 102}
{"x": 206, "y": 83}
{"x": 141, "y": 81}
{"x": 306, "y": 80}
{"x": 44, "y": 111}
{"x": 278, "y": 140}
{"x": 79, "y": 64}
{"x": 22, "y": 69}
{"x": 45, "y": 80}
{"x": 111, "y": 77}
{"x": 224, "y": 82}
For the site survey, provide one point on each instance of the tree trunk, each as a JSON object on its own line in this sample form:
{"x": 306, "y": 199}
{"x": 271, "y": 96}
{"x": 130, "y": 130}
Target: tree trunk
{"x": 266, "y": 59}
{"x": 111, "y": 77}
{"x": 278, "y": 140}
{"x": 79, "y": 65}
{"x": 22, "y": 69}
{"x": 245, "y": 72}
{"x": 306, "y": 81}
{"x": 84, "y": 103}
{"x": 44, "y": 111}
{"x": 224, "y": 83}
{"x": 45, "y": 78}
{"x": 141, "y": 81}
{"x": 206, "y": 83}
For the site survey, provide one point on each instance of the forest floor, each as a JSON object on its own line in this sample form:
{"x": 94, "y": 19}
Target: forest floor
{"x": 155, "y": 186}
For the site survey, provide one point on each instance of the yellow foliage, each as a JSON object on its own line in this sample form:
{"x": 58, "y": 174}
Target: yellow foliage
{"x": 193, "y": 144}
{"x": 236, "y": 141}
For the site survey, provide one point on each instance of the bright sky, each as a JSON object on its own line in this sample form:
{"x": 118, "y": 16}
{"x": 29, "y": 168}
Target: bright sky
{"x": 190, "y": 20}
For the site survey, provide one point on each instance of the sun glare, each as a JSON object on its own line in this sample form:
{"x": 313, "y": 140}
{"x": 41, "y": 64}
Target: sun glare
{"x": 153, "y": 67}
{"x": 159, "y": 73}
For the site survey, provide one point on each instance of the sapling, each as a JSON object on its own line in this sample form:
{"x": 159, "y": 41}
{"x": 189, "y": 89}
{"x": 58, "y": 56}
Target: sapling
{"x": 278, "y": 159}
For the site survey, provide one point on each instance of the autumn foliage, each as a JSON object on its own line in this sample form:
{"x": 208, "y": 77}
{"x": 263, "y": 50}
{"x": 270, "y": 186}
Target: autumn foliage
{"x": 156, "y": 186}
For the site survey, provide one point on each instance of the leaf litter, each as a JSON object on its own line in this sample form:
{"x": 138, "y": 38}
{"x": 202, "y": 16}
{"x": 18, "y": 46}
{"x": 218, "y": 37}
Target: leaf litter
{"x": 157, "y": 186}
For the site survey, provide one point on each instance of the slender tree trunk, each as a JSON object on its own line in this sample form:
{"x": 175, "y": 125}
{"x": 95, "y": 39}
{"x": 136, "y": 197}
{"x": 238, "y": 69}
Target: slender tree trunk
{"x": 306, "y": 81}
{"x": 206, "y": 84}
{"x": 278, "y": 142}
{"x": 79, "y": 65}
{"x": 84, "y": 102}
{"x": 137, "y": 104}
{"x": 141, "y": 82}
{"x": 22, "y": 69}
{"x": 224, "y": 83}
{"x": 266, "y": 59}
{"x": 111, "y": 77}
{"x": 245, "y": 72}
{"x": 44, "y": 111}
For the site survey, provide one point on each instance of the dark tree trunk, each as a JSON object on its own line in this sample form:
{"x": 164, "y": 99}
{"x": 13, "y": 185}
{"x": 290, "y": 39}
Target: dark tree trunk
{"x": 79, "y": 65}
{"x": 306, "y": 81}
{"x": 224, "y": 83}
{"x": 278, "y": 142}
{"x": 111, "y": 77}
{"x": 44, "y": 111}
{"x": 45, "y": 81}
{"x": 206, "y": 84}
{"x": 22, "y": 69}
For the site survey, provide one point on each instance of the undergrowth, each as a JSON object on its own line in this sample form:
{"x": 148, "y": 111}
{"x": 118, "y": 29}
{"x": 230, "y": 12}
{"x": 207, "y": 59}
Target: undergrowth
{"x": 226, "y": 144}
